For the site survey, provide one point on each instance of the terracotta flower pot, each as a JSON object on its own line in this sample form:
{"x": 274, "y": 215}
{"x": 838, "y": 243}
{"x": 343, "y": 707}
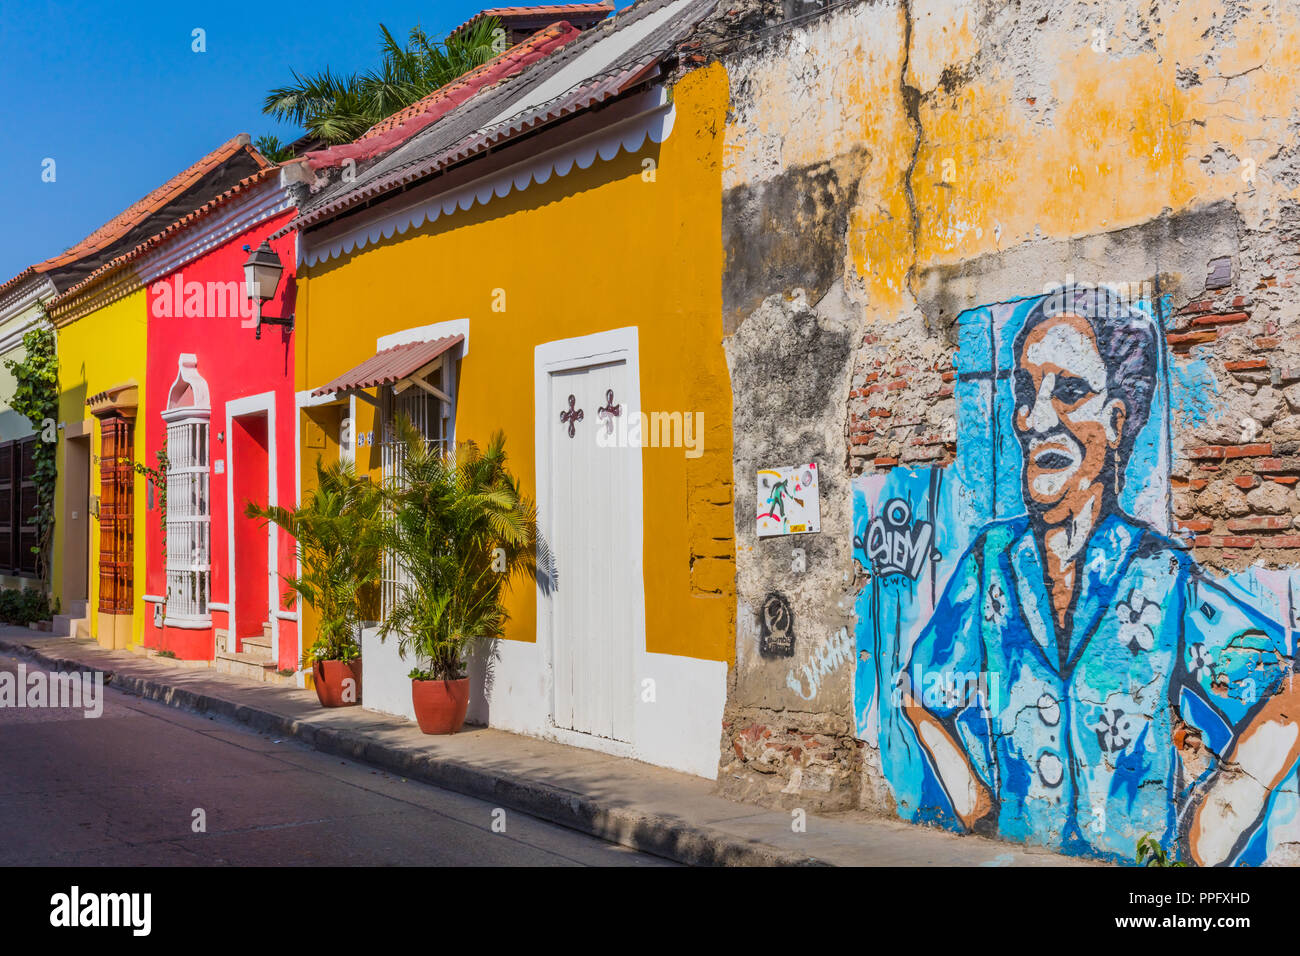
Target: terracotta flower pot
{"x": 329, "y": 677}
{"x": 440, "y": 705}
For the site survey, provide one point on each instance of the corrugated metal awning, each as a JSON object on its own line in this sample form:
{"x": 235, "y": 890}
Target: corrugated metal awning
{"x": 390, "y": 365}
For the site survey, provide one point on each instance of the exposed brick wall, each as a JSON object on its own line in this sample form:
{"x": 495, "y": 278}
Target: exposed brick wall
{"x": 1236, "y": 502}
{"x": 901, "y": 409}
{"x": 799, "y": 759}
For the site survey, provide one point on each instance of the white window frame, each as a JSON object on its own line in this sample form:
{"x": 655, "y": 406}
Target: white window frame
{"x": 189, "y": 500}
{"x": 263, "y": 403}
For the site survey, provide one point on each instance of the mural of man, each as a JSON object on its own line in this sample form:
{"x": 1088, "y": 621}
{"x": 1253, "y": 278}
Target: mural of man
{"x": 1123, "y": 670}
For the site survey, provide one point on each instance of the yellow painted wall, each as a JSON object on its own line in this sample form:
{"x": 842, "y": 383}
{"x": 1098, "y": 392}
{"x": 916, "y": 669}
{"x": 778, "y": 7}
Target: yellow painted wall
{"x": 1045, "y": 131}
{"x": 597, "y": 249}
{"x": 96, "y": 352}
{"x": 318, "y": 432}
{"x": 1126, "y": 139}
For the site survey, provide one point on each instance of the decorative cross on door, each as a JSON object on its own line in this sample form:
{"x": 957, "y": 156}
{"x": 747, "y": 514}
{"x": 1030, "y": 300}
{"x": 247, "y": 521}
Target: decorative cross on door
{"x": 609, "y": 411}
{"x": 572, "y": 416}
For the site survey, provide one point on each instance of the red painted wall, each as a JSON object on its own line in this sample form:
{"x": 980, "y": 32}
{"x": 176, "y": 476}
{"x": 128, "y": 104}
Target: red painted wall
{"x": 235, "y": 365}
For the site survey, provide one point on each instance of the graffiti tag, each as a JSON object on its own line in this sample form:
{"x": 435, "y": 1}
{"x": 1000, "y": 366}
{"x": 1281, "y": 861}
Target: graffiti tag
{"x": 776, "y": 626}
{"x": 824, "y": 660}
{"x": 897, "y": 545}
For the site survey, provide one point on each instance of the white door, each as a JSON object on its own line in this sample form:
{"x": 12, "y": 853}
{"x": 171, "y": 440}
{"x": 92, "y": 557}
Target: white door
{"x": 591, "y": 527}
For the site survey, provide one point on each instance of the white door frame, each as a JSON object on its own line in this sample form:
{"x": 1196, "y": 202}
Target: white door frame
{"x": 559, "y": 356}
{"x": 236, "y": 407}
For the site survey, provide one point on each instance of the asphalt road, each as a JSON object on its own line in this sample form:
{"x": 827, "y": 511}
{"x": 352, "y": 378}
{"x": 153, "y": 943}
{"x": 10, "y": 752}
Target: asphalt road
{"x": 123, "y": 790}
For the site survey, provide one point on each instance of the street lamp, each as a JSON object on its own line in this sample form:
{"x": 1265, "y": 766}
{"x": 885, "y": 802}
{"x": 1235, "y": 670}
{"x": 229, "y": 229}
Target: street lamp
{"x": 262, "y": 274}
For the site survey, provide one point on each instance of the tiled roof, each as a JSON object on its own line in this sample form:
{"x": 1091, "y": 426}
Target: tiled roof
{"x": 596, "y": 67}
{"x": 585, "y": 12}
{"x": 138, "y": 213}
{"x": 391, "y": 365}
{"x": 402, "y": 125}
{"x": 179, "y": 225}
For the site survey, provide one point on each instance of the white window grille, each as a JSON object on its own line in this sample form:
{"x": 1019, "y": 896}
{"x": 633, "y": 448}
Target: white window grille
{"x": 188, "y": 519}
{"x": 189, "y": 511}
{"x": 433, "y": 419}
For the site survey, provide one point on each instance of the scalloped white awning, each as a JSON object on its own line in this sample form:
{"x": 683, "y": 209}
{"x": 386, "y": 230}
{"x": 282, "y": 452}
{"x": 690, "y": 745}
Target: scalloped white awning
{"x": 654, "y": 123}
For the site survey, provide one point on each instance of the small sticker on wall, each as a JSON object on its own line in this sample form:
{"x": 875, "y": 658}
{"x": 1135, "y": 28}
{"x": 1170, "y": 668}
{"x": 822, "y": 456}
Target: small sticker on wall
{"x": 219, "y": 466}
{"x": 788, "y": 500}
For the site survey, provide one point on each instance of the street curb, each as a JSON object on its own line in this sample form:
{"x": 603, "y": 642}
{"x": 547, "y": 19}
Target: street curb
{"x": 672, "y": 838}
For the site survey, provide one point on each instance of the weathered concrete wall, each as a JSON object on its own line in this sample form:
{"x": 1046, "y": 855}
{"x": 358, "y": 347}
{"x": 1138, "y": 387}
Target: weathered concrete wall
{"x": 907, "y": 184}
{"x": 789, "y": 361}
{"x": 812, "y": 135}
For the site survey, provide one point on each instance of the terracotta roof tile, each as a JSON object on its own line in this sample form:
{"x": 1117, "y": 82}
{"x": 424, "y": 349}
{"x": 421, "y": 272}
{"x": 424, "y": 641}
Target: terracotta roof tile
{"x": 212, "y": 205}
{"x": 579, "y": 77}
{"x": 596, "y": 68}
{"x": 402, "y": 125}
{"x": 553, "y": 11}
{"x": 121, "y": 225}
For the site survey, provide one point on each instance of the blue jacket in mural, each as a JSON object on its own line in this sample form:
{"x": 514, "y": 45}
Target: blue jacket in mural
{"x": 1075, "y": 741}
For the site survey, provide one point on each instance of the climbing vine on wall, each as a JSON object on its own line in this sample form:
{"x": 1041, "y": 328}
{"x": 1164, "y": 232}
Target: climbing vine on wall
{"x": 159, "y": 478}
{"x": 36, "y": 397}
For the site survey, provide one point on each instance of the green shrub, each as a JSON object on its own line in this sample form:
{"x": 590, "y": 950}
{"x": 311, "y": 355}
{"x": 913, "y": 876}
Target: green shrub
{"x": 24, "y": 607}
{"x": 1151, "y": 853}
{"x": 9, "y": 600}
{"x": 337, "y": 530}
{"x": 34, "y": 605}
{"x": 461, "y": 530}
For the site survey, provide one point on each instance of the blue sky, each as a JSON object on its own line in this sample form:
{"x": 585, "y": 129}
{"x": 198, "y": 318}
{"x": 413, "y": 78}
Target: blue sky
{"x": 112, "y": 92}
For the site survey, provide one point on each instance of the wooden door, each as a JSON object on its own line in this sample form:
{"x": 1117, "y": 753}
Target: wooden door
{"x": 593, "y": 598}
{"x": 116, "y": 515}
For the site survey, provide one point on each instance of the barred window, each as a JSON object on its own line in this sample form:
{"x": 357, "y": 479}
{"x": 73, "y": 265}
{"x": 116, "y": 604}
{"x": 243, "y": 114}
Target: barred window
{"x": 188, "y": 520}
{"x": 433, "y": 419}
{"x": 189, "y": 511}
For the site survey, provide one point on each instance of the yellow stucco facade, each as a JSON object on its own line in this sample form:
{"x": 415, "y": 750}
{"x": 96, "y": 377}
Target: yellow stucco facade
{"x": 622, "y": 243}
{"x": 1079, "y": 132}
{"x": 100, "y": 350}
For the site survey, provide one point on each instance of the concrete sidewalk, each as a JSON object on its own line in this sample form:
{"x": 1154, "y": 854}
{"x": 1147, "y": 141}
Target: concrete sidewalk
{"x": 634, "y": 804}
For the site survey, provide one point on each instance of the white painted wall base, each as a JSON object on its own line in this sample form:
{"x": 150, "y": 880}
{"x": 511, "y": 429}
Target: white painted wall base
{"x": 680, "y": 730}
{"x": 385, "y": 688}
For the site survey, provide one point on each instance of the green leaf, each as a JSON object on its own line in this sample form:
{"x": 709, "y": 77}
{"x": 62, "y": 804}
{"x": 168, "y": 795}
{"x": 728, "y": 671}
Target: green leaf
{"x": 451, "y": 513}
{"x": 339, "y": 108}
{"x": 337, "y": 535}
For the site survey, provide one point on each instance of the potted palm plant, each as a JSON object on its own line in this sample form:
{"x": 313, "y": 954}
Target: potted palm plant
{"x": 337, "y": 533}
{"x": 460, "y": 532}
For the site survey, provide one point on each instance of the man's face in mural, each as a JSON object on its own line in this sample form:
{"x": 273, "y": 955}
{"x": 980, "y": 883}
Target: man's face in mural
{"x": 1067, "y": 422}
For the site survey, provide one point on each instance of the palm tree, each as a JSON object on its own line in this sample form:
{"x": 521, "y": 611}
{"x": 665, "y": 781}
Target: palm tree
{"x": 460, "y": 531}
{"x": 337, "y": 534}
{"x": 271, "y": 148}
{"x": 337, "y": 108}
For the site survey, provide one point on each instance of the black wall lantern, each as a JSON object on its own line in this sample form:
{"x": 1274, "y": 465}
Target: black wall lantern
{"x": 262, "y": 274}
